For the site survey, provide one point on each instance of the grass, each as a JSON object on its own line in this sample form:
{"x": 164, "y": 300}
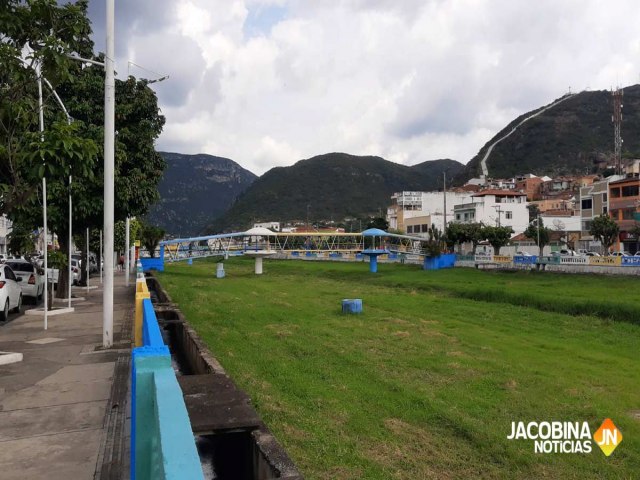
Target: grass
{"x": 426, "y": 382}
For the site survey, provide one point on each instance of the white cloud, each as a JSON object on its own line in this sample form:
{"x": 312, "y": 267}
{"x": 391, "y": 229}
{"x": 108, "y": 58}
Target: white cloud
{"x": 268, "y": 82}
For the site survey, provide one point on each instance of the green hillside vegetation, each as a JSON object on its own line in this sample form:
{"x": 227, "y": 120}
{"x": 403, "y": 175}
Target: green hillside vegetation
{"x": 194, "y": 189}
{"x": 334, "y": 186}
{"x": 567, "y": 139}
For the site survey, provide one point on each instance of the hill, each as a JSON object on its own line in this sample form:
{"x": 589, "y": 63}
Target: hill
{"x": 331, "y": 186}
{"x": 573, "y": 137}
{"x": 195, "y": 189}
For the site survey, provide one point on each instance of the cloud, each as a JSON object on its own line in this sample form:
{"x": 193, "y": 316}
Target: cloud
{"x": 268, "y": 82}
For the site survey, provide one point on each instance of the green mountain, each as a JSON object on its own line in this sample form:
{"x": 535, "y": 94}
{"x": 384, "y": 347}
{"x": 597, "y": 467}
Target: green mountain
{"x": 195, "y": 189}
{"x": 332, "y": 186}
{"x": 573, "y": 137}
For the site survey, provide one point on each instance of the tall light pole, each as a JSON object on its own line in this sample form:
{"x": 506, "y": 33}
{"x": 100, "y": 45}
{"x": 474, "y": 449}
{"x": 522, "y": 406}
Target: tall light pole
{"x": 444, "y": 194}
{"x": 126, "y": 251}
{"x": 538, "y": 222}
{"x": 109, "y": 146}
{"x": 44, "y": 201}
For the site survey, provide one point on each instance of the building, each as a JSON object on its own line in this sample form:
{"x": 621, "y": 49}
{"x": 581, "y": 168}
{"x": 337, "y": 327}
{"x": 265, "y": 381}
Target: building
{"x": 408, "y": 205}
{"x": 624, "y": 205}
{"x": 495, "y": 207}
{"x": 530, "y": 185}
{"x": 273, "y": 226}
{"x": 565, "y": 201}
{"x": 594, "y": 201}
{"x": 5, "y": 229}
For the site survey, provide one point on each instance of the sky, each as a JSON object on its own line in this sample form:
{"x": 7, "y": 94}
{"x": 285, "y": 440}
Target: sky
{"x": 269, "y": 82}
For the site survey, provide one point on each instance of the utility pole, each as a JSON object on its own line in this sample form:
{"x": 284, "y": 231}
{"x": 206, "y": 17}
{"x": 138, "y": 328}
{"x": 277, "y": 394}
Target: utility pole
{"x": 498, "y": 211}
{"x": 538, "y": 222}
{"x": 616, "y": 118}
{"x": 109, "y": 171}
{"x": 444, "y": 194}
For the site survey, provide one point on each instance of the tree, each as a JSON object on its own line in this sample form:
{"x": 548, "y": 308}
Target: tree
{"x": 36, "y": 34}
{"x": 21, "y": 240}
{"x": 498, "y": 237}
{"x": 475, "y": 234}
{"x": 534, "y": 211}
{"x": 635, "y": 231}
{"x": 435, "y": 241}
{"x": 604, "y": 229}
{"x": 457, "y": 234}
{"x": 378, "y": 222}
{"x": 150, "y": 237}
{"x": 538, "y": 233}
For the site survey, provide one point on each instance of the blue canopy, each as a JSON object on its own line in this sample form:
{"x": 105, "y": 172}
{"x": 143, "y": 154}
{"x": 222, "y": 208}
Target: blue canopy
{"x": 374, "y": 232}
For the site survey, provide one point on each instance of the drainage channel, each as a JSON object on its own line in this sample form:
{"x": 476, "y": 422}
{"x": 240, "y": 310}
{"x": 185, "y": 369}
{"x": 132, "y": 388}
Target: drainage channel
{"x": 232, "y": 441}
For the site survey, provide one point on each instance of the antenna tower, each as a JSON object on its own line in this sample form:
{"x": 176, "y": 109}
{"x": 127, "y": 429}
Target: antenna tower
{"x": 616, "y": 118}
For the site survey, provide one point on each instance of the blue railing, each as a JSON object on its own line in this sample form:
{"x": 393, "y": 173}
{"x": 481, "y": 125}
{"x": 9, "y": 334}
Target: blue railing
{"x": 525, "y": 259}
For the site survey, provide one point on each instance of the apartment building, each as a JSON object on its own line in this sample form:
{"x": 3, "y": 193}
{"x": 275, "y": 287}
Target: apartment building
{"x": 408, "y": 205}
{"x": 495, "y": 207}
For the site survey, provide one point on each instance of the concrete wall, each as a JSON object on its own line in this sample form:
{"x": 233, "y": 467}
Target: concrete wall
{"x": 162, "y": 443}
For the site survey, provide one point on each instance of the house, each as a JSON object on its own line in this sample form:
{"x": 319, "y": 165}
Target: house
{"x": 273, "y": 226}
{"x": 624, "y": 206}
{"x": 594, "y": 201}
{"x": 408, "y": 205}
{"x": 5, "y": 229}
{"x": 495, "y": 207}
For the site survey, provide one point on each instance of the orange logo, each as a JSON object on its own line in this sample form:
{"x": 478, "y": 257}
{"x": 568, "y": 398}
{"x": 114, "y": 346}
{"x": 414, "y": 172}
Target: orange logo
{"x": 608, "y": 437}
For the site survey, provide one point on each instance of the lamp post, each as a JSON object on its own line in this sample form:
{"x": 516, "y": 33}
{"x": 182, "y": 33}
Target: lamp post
{"x": 538, "y": 223}
{"x": 498, "y": 211}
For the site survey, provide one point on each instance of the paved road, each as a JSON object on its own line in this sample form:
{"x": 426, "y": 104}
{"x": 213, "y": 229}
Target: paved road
{"x": 63, "y": 409}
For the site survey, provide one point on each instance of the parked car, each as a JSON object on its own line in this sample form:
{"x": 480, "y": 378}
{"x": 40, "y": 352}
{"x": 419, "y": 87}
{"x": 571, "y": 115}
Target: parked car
{"x": 10, "y": 292}
{"x": 75, "y": 270}
{"x": 619, "y": 254}
{"x": 567, "y": 252}
{"x": 3, "y": 257}
{"x": 32, "y": 283}
{"x": 637, "y": 254}
{"x": 592, "y": 254}
{"x": 524, "y": 254}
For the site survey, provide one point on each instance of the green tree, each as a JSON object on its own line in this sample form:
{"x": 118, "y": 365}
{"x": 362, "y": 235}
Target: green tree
{"x": 475, "y": 234}
{"x": 604, "y": 229}
{"x": 378, "y": 222}
{"x": 498, "y": 237}
{"x": 435, "y": 241}
{"x": 21, "y": 240}
{"x": 534, "y": 211}
{"x": 457, "y": 234}
{"x": 538, "y": 233}
{"x": 52, "y": 32}
{"x": 150, "y": 237}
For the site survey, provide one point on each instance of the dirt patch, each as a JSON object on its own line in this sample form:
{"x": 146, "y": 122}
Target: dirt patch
{"x": 510, "y": 384}
{"x": 401, "y": 334}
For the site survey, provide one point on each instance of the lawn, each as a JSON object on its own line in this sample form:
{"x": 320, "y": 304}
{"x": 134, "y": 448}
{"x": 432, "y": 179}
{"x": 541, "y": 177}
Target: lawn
{"x": 426, "y": 382}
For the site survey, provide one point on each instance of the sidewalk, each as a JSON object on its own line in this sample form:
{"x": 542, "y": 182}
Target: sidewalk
{"x": 64, "y": 409}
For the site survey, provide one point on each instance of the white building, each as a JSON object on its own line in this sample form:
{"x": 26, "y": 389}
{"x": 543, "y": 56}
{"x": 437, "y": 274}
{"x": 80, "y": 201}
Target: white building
{"x": 274, "y": 226}
{"x": 5, "y": 229}
{"x": 495, "y": 207}
{"x": 407, "y": 205}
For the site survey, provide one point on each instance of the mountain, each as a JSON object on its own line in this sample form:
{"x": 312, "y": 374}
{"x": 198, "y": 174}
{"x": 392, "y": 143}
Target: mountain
{"x": 195, "y": 189}
{"x": 335, "y": 185}
{"x": 573, "y": 137}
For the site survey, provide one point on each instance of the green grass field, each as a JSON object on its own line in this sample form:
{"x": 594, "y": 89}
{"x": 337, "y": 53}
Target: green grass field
{"x": 426, "y": 382}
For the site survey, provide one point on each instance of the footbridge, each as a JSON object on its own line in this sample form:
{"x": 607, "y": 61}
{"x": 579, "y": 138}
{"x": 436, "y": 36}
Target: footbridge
{"x": 261, "y": 242}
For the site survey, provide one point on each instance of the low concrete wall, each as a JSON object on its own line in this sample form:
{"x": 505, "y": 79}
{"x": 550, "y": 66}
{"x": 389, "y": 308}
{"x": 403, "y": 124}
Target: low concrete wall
{"x": 162, "y": 443}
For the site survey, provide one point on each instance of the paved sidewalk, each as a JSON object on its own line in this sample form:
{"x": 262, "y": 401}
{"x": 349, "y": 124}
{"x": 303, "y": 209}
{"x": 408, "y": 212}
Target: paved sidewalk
{"x": 64, "y": 408}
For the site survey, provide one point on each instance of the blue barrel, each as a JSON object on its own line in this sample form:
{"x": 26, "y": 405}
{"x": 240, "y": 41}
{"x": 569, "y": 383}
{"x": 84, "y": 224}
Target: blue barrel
{"x": 352, "y": 305}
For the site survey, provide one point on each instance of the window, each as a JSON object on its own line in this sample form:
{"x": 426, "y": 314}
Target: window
{"x": 425, "y": 228}
{"x": 586, "y": 204}
{"x": 630, "y": 191}
{"x": 8, "y": 273}
{"x": 586, "y": 225}
{"x": 508, "y": 215}
{"x": 409, "y": 228}
{"x": 604, "y": 197}
{"x": 627, "y": 213}
{"x": 457, "y": 216}
{"x": 615, "y": 193}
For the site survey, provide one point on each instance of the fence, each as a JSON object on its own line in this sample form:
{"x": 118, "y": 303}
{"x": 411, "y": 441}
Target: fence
{"x": 162, "y": 443}
{"x": 522, "y": 260}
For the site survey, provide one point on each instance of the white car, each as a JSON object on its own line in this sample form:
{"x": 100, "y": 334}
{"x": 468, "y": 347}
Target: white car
{"x": 32, "y": 283}
{"x": 10, "y": 292}
{"x": 524, "y": 254}
{"x": 619, "y": 254}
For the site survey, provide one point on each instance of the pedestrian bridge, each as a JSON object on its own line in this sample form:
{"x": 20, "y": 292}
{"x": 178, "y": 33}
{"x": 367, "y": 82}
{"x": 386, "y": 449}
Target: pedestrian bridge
{"x": 261, "y": 242}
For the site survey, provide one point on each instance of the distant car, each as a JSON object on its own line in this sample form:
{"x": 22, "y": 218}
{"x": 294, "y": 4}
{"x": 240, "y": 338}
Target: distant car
{"x": 619, "y": 254}
{"x": 524, "y": 254}
{"x": 32, "y": 283}
{"x": 75, "y": 270}
{"x": 3, "y": 257}
{"x": 567, "y": 252}
{"x": 637, "y": 254}
{"x": 592, "y": 254}
{"x": 10, "y": 292}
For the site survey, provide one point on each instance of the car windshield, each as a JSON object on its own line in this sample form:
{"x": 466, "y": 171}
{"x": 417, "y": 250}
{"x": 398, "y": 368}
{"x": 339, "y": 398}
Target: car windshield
{"x": 20, "y": 266}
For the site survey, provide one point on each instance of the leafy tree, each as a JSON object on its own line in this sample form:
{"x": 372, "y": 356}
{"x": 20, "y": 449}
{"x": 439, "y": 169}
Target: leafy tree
{"x": 378, "y": 222}
{"x": 475, "y": 234}
{"x": 498, "y": 237}
{"x": 539, "y": 233}
{"x": 604, "y": 229}
{"x": 120, "y": 233}
{"x": 457, "y": 234}
{"x": 150, "y": 237}
{"x": 635, "y": 231}
{"x": 21, "y": 240}
{"x": 534, "y": 211}
{"x": 435, "y": 241}
{"x": 47, "y": 32}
